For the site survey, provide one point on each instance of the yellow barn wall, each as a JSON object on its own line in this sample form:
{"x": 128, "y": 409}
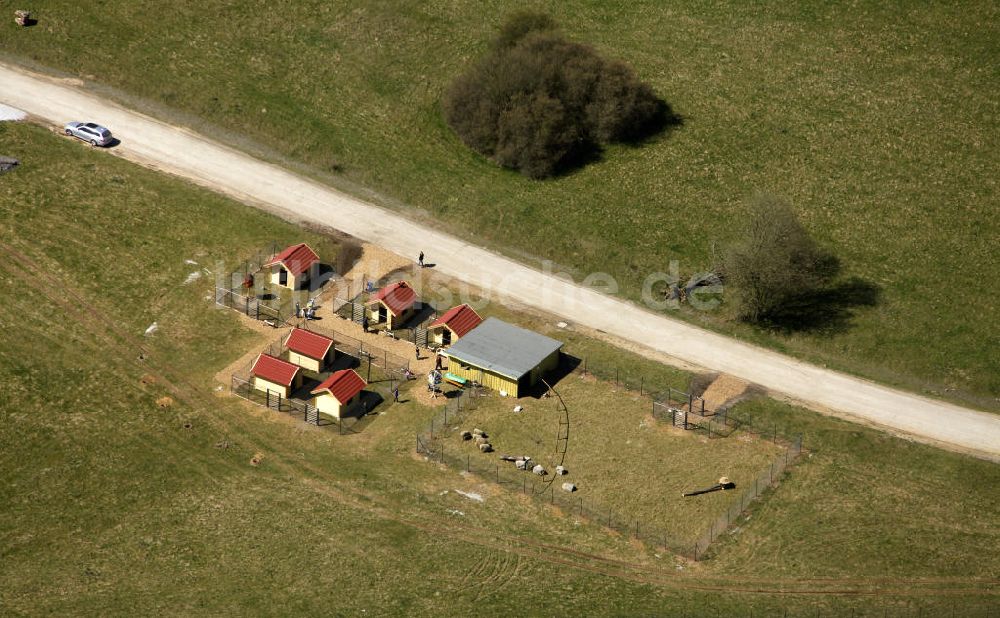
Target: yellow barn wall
{"x": 294, "y": 282}
{"x": 391, "y": 321}
{"x": 498, "y": 382}
{"x": 263, "y": 385}
{"x": 327, "y": 404}
{"x": 303, "y": 361}
{"x": 437, "y": 334}
{"x": 488, "y": 379}
{"x": 397, "y": 321}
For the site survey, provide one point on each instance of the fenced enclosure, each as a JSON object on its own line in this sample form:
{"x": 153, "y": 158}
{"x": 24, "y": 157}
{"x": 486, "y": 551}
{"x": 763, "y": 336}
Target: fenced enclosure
{"x": 439, "y": 442}
{"x": 293, "y": 407}
{"x": 251, "y": 306}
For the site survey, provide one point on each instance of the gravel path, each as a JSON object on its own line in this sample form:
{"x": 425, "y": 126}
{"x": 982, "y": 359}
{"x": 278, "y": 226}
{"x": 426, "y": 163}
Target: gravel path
{"x": 185, "y": 154}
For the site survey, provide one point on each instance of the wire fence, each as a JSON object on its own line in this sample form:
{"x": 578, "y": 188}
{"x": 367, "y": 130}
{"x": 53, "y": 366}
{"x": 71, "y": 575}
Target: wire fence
{"x": 766, "y": 479}
{"x": 251, "y": 306}
{"x": 433, "y": 442}
{"x": 293, "y": 407}
{"x": 366, "y": 353}
{"x": 633, "y": 381}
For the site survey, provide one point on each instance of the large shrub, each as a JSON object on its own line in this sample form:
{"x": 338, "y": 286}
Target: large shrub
{"x": 538, "y": 101}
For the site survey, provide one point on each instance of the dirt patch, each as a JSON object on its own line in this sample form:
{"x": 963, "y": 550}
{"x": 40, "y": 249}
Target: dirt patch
{"x": 724, "y": 390}
{"x": 165, "y": 402}
{"x": 147, "y": 379}
{"x": 257, "y": 459}
{"x": 376, "y": 263}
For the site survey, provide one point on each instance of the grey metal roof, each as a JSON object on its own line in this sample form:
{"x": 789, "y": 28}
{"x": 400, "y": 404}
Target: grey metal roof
{"x": 503, "y": 348}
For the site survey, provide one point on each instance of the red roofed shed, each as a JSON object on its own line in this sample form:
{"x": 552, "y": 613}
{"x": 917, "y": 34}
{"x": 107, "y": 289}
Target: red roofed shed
{"x": 455, "y": 323}
{"x": 394, "y": 304}
{"x": 336, "y": 394}
{"x": 309, "y": 350}
{"x": 293, "y": 266}
{"x": 273, "y": 375}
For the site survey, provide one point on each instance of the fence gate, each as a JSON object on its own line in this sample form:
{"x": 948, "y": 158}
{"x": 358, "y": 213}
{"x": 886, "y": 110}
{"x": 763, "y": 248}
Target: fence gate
{"x": 420, "y": 337}
{"x": 274, "y": 400}
{"x": 357, "y": 313}
{"x": 311, "y": 415}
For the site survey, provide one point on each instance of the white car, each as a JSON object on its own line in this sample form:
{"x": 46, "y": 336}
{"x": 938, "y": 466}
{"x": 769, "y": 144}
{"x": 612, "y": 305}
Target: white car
{"x": 95, "y": 134}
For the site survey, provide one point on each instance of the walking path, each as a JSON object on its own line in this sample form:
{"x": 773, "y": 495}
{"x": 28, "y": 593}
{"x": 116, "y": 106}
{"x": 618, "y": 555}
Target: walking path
{"x": 188, "y": 155}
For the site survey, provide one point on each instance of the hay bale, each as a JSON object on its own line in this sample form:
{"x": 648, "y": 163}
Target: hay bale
{"x": 539, "y": 470}
{"x": 486, "y": 447}
{"x": 569, "y": 487}
{"x": 479, "y": 432}
{"x": 22, "y": 18}
{"x": 560, "y": 470}
{"x": 481, "y": 440}
{"x": 521, "y": 464}
{"x": 466, "y": 435}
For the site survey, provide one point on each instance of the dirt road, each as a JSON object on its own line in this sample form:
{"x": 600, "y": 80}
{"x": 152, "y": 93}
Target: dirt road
{"x": 185, "y": 154}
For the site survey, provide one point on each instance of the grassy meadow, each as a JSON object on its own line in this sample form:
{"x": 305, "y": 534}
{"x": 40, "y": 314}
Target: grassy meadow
{"x": 115, "y": 500}
{"x": 877, "y": 121}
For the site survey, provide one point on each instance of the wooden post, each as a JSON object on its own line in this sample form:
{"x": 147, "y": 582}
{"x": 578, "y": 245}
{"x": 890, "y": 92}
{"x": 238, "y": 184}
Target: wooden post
{"x": 641, "y": 380}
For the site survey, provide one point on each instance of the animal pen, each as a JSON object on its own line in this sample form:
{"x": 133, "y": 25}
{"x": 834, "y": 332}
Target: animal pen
{"x": 440, "y": 442}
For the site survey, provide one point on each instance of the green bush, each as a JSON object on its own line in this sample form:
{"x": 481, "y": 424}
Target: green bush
{"x": 537, "y": 102}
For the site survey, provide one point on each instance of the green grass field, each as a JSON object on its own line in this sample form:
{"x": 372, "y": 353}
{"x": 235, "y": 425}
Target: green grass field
{"x": 878, "y": 122}
{"x": 111, "y": 505}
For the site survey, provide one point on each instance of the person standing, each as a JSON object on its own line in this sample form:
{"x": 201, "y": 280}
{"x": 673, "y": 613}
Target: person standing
{"x": 395, "y": 394}
{"x": 420, "y": 259}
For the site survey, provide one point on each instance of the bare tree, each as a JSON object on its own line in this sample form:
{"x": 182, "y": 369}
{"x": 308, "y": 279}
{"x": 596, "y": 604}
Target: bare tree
{"x": 776, "y": 261}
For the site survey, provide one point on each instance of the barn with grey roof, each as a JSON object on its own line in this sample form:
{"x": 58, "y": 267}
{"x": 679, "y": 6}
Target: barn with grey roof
{"x": 503, "y": 357}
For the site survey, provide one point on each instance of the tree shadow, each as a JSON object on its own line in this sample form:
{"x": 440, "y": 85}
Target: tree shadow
{"x": 660, "y": 125}
{"x": 825, "y": 310}
{"x": 582, "y": 155}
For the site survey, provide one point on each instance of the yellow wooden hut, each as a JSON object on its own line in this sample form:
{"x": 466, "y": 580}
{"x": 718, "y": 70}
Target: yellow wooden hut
{"x": 335, "y": 395}
{"x": 293, "y": 266}
{"x": 275, "y": 376}
{"x": 453, "y": 325}
{"x": 393, "y": 305}
{"x": 309, "y": 350}
{"x": 502, "y": 357}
